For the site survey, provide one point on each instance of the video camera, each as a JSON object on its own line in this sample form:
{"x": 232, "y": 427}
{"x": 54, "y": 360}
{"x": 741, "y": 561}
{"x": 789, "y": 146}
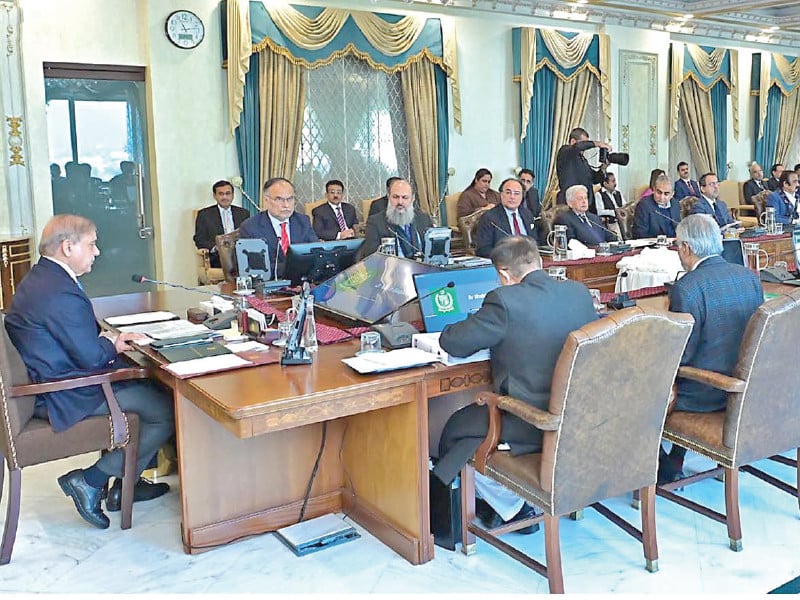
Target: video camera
{"x": 617, "y": 158}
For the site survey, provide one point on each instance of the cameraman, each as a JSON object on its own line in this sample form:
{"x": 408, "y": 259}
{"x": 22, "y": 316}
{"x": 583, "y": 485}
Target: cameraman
{"x": 572, "y": 167}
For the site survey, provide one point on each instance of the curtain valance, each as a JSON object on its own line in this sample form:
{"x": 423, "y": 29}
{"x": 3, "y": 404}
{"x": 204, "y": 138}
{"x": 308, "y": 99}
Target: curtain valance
{"x": 312, "y": 37}
{"x": 567, "y": 54}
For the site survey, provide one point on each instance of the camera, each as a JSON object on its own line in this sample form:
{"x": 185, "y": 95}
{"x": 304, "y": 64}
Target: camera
{"x": 617, "y": 158}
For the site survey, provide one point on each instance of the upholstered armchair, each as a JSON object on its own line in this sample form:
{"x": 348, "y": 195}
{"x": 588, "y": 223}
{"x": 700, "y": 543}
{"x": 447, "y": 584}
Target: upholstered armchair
{"x": 625, "y": 218}
{"x": 468, "y": 225}
{"x": 226, "y": 249}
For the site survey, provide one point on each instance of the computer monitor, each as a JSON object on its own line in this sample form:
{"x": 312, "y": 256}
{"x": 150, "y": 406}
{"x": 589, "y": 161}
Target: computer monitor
{"x": 446, "y": 304}
{"x": 796, "y": 248}
{"x": 436, "y": 245}
{"x": 732, "y": 251}
{"x": 371, "y": 289}
{"x": 318, "y": 261}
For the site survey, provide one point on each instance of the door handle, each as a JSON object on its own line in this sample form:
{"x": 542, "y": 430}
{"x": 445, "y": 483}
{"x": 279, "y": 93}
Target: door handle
{"x": 144, "y": 231}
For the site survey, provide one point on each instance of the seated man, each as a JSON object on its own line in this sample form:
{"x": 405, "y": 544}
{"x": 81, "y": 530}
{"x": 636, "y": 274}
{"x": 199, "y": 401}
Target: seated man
{"x": 709, "y": 202}
{"x": 754, "y": 185}
{"x": 582, "y": 225}
{"x": 52, "y": 324}
{"x": 334, "y": 219}
{"x": 401, "y": 220}
{"x": 279, "y": 225}
{"x": 784, "y": 199}
{"x": 657, "y": 214}
{"x": 510, "y": 217}
{"x": 608, "y": 199}
{"x": 721, "y": 297}
{"x": 773, "y": 183}
{"x": 532, "y": 200}
{"x": 379, "y": 205}
{"x": 685, "y": 185}
{"x": 215, "y": 220}
{"x": 528, "y": 306}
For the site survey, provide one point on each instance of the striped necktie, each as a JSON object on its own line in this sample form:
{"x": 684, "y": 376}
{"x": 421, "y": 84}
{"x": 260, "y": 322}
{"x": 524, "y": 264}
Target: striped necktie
{"x": 340, "y": 218}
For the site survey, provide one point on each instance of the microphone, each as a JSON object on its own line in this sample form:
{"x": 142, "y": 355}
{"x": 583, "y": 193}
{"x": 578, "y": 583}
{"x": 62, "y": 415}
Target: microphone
{"x": 667, "y": 217}
{"x": 612, "y": 232}
{"x": 237, "y": 181}
{"x": 145, "y": 279}
{"x": 397, "y": 334}
{"x": 397, "y": 235}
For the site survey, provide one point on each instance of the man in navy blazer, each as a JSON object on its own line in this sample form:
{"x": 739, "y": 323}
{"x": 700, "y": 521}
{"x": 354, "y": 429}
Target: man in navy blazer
{"x": 784, "y": 199}
{"x": 710, "y": 203}
{"x": 279, "y": 225}
{"x": 721, "y": 297}
{"x": 52, "y": 324}
{"x": 685, "y": 185}
{"x": 657, "y": 214}
{"x": 584, "y": 226}
{"x": 327, "y": 215}
{"x": 215, "y": 220}
{"x": 499, "y": 222}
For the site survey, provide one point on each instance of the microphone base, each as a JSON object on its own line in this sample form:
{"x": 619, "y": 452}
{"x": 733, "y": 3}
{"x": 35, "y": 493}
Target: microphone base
{"x": 295, "y": 356}
{"x": 271, "y": 285}
{"x": 396, "y": 335}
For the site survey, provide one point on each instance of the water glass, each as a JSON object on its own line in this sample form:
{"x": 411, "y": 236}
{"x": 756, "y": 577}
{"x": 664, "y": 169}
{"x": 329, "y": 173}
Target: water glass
{"x": 661, "y": 240}
{"x": 284, "y": 328}
{"x": 370, "y": 342}
{"x": 603, "y": 249}
{"x": 778, "y": 228}
{"x": 557, "y": 273}
{"x": 598, "y": 304}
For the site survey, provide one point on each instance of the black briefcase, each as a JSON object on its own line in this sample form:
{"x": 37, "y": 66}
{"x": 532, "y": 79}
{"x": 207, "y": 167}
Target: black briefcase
{"x": 445, "y": 512}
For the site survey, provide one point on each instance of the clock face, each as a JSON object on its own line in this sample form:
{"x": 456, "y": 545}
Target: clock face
{"x": 185, "y": 29}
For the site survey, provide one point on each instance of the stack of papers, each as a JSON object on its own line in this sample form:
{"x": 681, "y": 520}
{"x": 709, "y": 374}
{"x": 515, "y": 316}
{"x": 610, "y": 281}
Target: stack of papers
{"x": 429, "y": 342}
{"x": 145, "y": 317}
{"x": 167, "y": 329}
{"x": 377, "y": 362}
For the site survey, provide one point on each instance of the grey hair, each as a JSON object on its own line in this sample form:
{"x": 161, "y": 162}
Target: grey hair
{"x": 63, "y": 227}
{"x": 701, "y": 233}
{"x": 572, "y": 190}
{"x": 518, "y": 254}
{"x": 664, "y": 178}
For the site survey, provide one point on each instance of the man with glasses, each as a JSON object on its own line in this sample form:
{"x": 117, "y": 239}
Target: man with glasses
{"x": 279, "y": 225}
{"x": 334, "y": 219}
{"x": 710, "y": 203}
{"x": 507, "y": 219}
{"x": 532, "y": 200}
{"x": 582, "y": 225}
{"x": 657, "y": 214}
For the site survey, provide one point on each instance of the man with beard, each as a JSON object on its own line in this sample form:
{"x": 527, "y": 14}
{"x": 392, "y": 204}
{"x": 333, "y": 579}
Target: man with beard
{"x": 401, "y": 221}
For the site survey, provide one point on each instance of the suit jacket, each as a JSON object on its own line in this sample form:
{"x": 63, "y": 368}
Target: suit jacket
{"x": 682, "y": 189}
{"x": 773, "y": 184}
{"x": 721, "y": 297}
{"x": 260, "y": 226}
{"x": 52, "y": 324}
{"x": 378, "y": 227}
{"x": 326, "y": 225}
{"x": 539, "y": 308}
{"x": 720, "y": 211}
{"x": 208, "y": 225}
{"x": 494, "y": 226}
{"x": 576, "y": 229}
{"x": 470, "y": 201}
{"x": 573, "y": 169}
{"x": 378, "y": 206}
{"x": 648, "y": 221}
{"x": 785, "y": 209}
{"x": 533, "y": 202}
{"x": 751, "y": 188}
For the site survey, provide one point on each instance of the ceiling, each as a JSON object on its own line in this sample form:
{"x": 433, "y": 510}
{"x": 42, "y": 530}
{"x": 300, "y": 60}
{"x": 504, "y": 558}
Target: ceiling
{"x": 774, "y": 22}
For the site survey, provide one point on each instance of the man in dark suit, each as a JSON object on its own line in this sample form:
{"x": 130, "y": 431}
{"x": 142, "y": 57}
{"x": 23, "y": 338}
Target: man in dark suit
{"x": 532, "y": 201}
{"x": 334, "y": 220}
{"x": 607, "y": 200}
{"x": 401, "y": 220}
{"x": 215, "y": 220}
{"x": 279, "y": 225}
{"x": 710, "y": 203}
{"x": 527, "y": 306}
{"x": 507, "y": 219}
{"x": 572, "y": 168}
{"x": 52, "y": 324}
{"x": 685, "y": 185}
{"x": 657, "y": 214}
{"x": 774, "y": 183}
{"x": 379, "y": 205}
{"x": 784, "y": 199}
{"x": 582, "y": 225}
{"x": 721, "y": 297}
{"x": 754, "y": 185}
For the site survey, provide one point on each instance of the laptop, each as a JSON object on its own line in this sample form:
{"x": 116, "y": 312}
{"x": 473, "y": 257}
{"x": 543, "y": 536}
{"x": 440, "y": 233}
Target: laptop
{"x": 441, "y": 303}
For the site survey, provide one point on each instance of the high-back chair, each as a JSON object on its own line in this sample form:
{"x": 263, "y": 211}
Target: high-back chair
{"x": 759, "y": 201}
{"x": 602, "y": 431}
{"x": 761, "y": 418}
{"x": 468, "y": 226}
{"x": 625, "y": 218}
{"x": 548, "y": 218}
{"x": 226, "y": 249}
{"x": 26, "y": 440}
{"x": 206, "y": 274}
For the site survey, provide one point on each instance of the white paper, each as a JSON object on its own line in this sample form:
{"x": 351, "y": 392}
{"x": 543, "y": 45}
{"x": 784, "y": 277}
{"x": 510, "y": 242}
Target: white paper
{"x": 374, "y": 362}
{"x": 167, "y": 329}
{"x": 429, "y": 342}
{"x": 247, "y": 346}
{"x": 209, "y": 364}
{"x": 145, "y": 317}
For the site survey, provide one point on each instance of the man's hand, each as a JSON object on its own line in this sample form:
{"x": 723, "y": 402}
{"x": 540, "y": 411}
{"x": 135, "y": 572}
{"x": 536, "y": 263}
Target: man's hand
{"x": 346, "y": 234}
{"x": 602, "y": 145}
{"x": 122, "y": 341}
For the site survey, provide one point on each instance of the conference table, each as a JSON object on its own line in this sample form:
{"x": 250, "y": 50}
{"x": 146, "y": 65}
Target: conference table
{"x": 248, "y": 440}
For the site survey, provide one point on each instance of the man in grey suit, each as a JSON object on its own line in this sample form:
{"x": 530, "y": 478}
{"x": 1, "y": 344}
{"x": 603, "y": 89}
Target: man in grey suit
{"x": 530, "y": 316}
{"x": 401, "y": 220}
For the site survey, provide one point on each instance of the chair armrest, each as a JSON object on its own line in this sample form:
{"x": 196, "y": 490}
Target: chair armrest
{"x": 712, "y": 378}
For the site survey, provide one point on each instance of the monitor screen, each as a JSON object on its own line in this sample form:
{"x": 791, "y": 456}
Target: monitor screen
{"x": 371, "y": 289}
{"x": 318, "y": 261}
{"x": 732, "y": 251}
{"x": 447, "y": 304}
{"x": 796, "y": 245}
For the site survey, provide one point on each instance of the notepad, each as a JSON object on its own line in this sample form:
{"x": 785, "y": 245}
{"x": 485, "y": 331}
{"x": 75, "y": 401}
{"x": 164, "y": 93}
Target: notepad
{"x": 376, "y": 362}
{"x": 140, "y": 318}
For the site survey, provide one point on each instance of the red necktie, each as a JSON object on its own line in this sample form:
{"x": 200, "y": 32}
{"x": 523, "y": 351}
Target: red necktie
{"x": 284, "y": 237}
{"x": 517, "y": 230}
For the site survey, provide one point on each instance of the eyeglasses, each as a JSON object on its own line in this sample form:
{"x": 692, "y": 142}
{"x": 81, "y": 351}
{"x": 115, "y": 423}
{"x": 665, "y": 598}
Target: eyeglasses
{"x": 280, "y": 199}
{"x": 512, "y": 192}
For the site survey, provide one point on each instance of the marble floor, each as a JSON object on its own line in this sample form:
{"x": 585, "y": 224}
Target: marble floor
{"x": 57, "y": 552}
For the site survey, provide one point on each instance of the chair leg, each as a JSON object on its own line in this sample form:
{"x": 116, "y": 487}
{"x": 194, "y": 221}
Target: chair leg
{"x": 129, "y": 477}
{"x": 467, "y": 509}
{"x": 636, "y": 500}
{"x": 797, "y": 481}
{"x": 552, "y": 552}
{"x": 732, "y": 509}
{"x": 12, "y": 513}
{"x": 649, "y": 541}
{"x": 577, "y": 515}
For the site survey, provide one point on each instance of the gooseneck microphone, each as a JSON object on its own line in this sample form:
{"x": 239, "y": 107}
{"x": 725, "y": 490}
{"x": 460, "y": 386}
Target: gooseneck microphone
{"x": 145, "y": 279}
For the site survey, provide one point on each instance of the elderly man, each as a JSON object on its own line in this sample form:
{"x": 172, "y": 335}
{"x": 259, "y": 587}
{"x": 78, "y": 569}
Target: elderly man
{"x": 657, "y": 214}
{"x": 52, "y": 324}
{"x": 401, "y": 220}
{"x": 508, "y": 218}
{"x": 582, "y": 225}
{"x": 774, "y": 183}
{"x": 754, "y": 185}
{"x": 279, "y": 225}
{"x": 572, "y": 168}
{"x": 532, "y": 201}
{"x": 710, "y": 203}
{"x": 528, "y": 306}
{"x": 784, "y": 199}
{"x": 721, "y": 297}
{"x": 215, "y": 220}
{"x": 685, "y": 185}
{"x": 334, "y": 219}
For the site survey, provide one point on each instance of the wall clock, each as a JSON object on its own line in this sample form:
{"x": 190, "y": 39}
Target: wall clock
{"x": 184, "y": 29}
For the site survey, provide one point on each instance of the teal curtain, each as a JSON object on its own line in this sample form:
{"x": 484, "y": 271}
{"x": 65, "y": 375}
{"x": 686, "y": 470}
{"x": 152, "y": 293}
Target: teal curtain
{"x": 766, "y": 145}
{"x": 248, "y": 144}
{"x": 719, "y": 107}
{"x": 536, "y": 148}
{"x": 443, "y": 136}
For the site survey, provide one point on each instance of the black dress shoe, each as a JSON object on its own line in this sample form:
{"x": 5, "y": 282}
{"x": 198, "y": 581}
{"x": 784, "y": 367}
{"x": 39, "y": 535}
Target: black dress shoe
{"x": 670, "y": 468}
{"x": 86, "y": 498}
{"x": 487, "y": 515}
{"x": 526, "y": 512}
{"x": 142, "y": 491}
